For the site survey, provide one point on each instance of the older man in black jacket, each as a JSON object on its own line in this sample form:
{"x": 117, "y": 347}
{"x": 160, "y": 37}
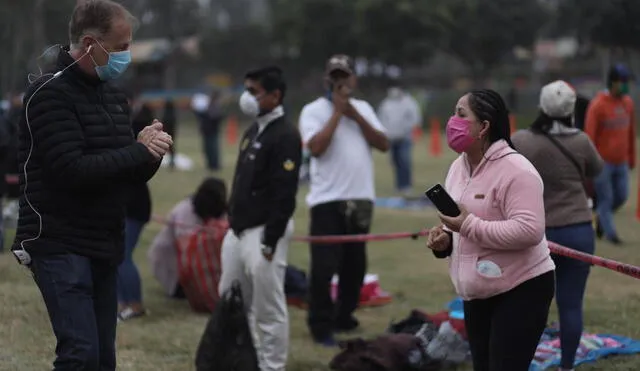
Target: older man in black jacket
{"x": 78, "y": 158}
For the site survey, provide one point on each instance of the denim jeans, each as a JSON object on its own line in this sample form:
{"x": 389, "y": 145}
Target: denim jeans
{"x": 129, "y": 285}
{"x": 612, "y": 189}
{"x": 571, "y": 280}
{"x": 80, "y": 296}
{"x": 211, "y": 145}
{"x": 401, "y": 159}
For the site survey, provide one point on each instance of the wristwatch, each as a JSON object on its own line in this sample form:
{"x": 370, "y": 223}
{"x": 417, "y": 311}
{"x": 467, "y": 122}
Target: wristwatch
{"x": 267, "y": 250}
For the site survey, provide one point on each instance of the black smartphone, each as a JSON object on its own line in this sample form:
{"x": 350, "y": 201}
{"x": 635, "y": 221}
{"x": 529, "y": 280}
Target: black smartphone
{"x": 442, "y": 201}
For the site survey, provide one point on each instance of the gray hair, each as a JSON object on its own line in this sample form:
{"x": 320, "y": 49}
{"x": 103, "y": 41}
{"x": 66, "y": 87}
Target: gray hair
{"x": 95, "y": 17}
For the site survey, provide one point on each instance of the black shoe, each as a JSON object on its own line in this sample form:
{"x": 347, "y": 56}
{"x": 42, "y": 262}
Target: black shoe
{"x": 347, "y": 325}
{"x": 615, "y": 240}
{"x": 325, "y": 341}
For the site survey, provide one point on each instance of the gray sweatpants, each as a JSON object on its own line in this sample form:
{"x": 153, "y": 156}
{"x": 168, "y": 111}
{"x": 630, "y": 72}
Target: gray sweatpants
{"x": 262, "y": 285}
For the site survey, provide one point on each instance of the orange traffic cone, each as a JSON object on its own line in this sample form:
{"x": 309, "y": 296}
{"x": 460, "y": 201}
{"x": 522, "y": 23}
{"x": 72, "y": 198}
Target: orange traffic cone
{"x": 232, "y": 130}
{"x": 512, "y": 123}
{"x": 435, "y": 147}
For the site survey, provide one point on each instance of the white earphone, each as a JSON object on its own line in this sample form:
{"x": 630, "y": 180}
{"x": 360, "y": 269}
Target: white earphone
{"x": 23, "y": 257}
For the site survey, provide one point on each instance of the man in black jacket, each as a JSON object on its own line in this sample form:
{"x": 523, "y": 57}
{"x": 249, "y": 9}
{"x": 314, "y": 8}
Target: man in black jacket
{"x": 78, "y": 159}
{"x": 263, "y": 199}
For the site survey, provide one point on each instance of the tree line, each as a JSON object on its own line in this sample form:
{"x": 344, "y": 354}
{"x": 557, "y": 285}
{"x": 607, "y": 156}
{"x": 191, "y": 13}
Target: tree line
{"x": 481, "y": 34}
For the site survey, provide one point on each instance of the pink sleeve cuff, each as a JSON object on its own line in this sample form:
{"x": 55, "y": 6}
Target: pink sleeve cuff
{"x": 467, "y": 225}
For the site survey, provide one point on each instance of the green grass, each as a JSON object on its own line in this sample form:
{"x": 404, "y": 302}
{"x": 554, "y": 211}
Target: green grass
{"x": 166, "y": 340}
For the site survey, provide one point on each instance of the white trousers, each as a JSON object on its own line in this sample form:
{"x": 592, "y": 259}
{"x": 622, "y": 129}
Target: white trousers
{"x": 262, "y": 284}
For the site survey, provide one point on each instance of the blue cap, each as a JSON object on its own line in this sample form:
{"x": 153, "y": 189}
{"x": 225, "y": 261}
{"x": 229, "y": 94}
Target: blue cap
{"x": 618, "y": 72}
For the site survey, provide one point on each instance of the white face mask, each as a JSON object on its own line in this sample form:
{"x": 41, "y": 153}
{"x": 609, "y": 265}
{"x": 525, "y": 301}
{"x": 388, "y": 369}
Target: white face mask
{"x": 249, "y": 105}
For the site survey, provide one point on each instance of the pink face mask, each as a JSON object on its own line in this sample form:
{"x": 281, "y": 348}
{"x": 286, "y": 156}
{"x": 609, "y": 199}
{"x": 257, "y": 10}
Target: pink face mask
{"x": 458, "y": 136}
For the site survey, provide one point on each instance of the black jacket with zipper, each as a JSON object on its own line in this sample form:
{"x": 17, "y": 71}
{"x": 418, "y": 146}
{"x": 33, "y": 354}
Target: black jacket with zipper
{"x": 266, "y": 180}
{"x": 84, "y": 161}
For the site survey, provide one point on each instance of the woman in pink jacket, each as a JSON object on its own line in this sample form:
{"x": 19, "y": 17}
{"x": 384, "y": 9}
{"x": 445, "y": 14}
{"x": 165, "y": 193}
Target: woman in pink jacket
{"x": 499, "y": 260}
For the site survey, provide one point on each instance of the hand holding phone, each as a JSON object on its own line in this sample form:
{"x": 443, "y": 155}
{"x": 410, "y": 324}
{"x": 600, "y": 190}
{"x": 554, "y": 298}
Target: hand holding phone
{"x": 339, "y": 99}
{"x": 438, "y": 239}
{"x": 442, "y": 201}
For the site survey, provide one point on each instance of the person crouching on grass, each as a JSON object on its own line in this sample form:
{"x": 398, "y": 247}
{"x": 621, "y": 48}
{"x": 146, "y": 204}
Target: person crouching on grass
{"x": 499, "y": 258}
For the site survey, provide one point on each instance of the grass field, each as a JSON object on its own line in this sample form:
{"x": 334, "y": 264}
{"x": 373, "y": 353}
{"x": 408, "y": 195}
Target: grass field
{"x": 166, "y": 340}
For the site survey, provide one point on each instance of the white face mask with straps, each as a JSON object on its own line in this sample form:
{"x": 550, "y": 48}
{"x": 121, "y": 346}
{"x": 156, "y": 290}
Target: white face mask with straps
{"x": 249, "y": 104}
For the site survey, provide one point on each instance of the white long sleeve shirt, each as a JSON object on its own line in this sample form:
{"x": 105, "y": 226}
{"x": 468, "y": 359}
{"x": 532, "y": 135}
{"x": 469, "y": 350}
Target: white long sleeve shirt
{"x": 399, "y": 116}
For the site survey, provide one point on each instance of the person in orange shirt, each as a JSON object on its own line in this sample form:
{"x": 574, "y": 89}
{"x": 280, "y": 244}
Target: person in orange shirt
{"x": 610, "y": 124}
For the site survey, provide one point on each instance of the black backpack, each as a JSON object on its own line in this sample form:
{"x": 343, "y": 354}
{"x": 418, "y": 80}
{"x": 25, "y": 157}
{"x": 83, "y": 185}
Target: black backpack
{"x": 227, "y": 344}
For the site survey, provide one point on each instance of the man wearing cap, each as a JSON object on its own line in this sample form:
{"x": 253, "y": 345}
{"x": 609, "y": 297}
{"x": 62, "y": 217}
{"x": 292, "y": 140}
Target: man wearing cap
{"x": 339, "y": 131}
{"x": 610, "y": 123}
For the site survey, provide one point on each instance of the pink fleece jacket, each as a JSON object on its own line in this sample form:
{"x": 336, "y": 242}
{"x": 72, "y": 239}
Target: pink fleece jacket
{"x": 506, "y": 225}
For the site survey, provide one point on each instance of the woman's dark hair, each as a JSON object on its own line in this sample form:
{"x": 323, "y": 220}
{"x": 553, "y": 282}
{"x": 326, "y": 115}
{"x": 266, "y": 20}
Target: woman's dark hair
{"x": 488, "y": 105}
{"x": 210, "y": 199}
{"x": 544, "y": 122}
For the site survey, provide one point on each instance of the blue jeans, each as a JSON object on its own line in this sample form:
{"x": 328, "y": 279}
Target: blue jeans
{"x": 80, "y": 296}
{"x": 211, "y": 144}
{"x": 129, "y": 285}
{"x": 401, "y": 158}
{"x": 612, "y": 190}
{"x": 571, "y": 280}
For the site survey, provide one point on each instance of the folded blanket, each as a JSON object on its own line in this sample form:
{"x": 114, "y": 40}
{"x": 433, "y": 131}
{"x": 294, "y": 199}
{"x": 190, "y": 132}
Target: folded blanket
{"x": 592, "y": 347}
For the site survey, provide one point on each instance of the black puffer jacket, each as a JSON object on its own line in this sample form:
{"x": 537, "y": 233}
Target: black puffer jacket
{"x": 84, "y": 162}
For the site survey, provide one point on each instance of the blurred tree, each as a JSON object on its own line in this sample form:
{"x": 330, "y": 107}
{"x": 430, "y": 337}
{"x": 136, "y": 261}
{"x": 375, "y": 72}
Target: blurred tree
{"x": 166, "y": 18}
{"x": 237, "y": 49}
{"x": 312, "y": 30}
{"x": 28, "y": 26}
{"x": 400, "y": 32}
{"x": 170, "y": 20}
{"x": 612, "y": 23}
{"x": 480, "y": 33}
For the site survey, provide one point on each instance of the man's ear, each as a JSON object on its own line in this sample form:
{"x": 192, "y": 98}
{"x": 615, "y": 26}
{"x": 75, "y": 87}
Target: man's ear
{"x": 87, "y": 43}
{"x": 277, "y": 96}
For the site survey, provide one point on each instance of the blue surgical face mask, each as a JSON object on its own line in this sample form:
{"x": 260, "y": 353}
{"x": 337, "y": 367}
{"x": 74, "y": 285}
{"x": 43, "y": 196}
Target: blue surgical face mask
{"x": 116, "y": 65}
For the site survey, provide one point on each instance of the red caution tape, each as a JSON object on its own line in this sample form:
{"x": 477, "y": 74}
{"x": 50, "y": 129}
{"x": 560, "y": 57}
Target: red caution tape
{"x": 360, "y": 237}
{"x": 627, "y": 269}
{"x": 324, "y": 239}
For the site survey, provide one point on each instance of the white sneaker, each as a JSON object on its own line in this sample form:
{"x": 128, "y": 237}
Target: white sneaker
{"x": 128, "y": 313}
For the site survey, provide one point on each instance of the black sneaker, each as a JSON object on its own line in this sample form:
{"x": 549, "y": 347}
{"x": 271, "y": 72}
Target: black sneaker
{"x": 325, "y": 341}
{"x": 347, "y": 325}
{"x": 615, "y": 240}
